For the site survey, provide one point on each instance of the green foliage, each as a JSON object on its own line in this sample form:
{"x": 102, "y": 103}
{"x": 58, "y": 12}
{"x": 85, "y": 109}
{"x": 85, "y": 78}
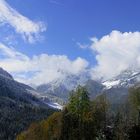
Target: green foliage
{"x": 134, "y": 97}
{"x": 78, "y": 121}
{"x": 83, "y": 119}
{"x": 134, "y": 101}
{"x": 79, "y": 103}
{"x": 44, "y": 130}
{"x": 99, "y": 112}
{"x": 16, "y": 114}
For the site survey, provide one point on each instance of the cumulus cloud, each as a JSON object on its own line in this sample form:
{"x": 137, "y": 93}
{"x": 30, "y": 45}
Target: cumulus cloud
{"x": 27, "y": 28}
{"x": 41, "y": 68}
{"x": 115, "y": 53}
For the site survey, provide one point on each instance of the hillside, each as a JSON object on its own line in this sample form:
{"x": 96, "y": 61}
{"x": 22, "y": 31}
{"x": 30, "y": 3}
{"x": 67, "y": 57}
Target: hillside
{"x": 18, "y": 108}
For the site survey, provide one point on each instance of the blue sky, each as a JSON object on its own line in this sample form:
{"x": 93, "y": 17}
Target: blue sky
{"x": 72, "y": 21}
{"x": 70, "y": 25}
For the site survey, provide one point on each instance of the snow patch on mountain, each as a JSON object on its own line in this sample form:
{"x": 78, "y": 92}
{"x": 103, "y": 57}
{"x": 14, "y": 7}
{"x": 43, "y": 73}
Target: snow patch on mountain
{"x": 110, "y": 84}
{"x": 55, "y": 106}
{"x": 64, "y": 84}
{"x": 127, "y": 79}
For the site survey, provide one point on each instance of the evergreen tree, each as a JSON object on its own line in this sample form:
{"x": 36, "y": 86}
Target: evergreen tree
{"x": 79, "y": 102}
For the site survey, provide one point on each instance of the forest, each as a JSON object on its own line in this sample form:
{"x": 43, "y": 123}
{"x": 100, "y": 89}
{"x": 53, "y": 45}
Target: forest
{"x": 85, "y": 119}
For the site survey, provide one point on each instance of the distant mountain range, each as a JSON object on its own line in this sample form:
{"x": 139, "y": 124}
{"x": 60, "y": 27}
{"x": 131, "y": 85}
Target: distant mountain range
{"x": 116, "y": 88}
{"x": 21, "y": 104}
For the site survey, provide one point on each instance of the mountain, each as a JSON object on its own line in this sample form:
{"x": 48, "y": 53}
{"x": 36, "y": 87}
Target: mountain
{"x": 94, "y": 88}
{"x": 5, "y": 74}
{"x": 115, "y": 88}
{"x": 118, "y": 87}
{"x": 127, "y": 78}
{"x": 59, "y": 89}
{"x": 18, "y": 107}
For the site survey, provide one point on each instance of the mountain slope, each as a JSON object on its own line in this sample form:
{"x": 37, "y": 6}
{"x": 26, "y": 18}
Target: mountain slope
{"x": 115, "y": 88}
{"x": 18, "y": 108}
{"x": 118, "y": 87}
{"x": 127, "y": 78}
{"x": 58, "y": 90}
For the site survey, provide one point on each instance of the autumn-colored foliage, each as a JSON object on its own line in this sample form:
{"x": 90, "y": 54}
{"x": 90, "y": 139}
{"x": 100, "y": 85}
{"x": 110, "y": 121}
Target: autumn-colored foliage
{"x": 82, "y": 119}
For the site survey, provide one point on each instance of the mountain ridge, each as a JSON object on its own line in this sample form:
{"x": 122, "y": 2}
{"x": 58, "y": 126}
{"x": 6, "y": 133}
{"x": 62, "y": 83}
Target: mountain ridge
{"x": 18, "y": 107}
{"x": 121, "y": 82}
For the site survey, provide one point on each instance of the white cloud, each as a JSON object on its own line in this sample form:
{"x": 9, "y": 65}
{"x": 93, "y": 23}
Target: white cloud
{"x": 27, "y": 28}
{"x": 39, "y": 69}
{"x": 116, "y": 52}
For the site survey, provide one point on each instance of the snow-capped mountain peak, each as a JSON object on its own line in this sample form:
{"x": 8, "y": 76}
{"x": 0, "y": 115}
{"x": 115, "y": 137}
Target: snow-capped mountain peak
{"x": 110, "y": 84}
{"x": 61, "y": 87}
{"x": 127, "y": 78}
